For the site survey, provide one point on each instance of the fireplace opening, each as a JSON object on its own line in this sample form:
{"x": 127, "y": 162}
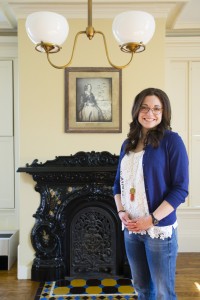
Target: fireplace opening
{"x": 93, "y": 242}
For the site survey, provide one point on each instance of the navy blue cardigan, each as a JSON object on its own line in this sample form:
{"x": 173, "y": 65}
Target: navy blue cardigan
{"x": 165, "y": 174}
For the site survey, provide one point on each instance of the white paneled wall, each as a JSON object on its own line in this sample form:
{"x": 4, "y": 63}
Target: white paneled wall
{"x": 6, "y": 98}
{"x": 194, "y": 95}
{"x": 183, "y": 88}
{"x": 6, "y": 173}
{"x": 8, "y": 133}
{"x": 6, "y": 136}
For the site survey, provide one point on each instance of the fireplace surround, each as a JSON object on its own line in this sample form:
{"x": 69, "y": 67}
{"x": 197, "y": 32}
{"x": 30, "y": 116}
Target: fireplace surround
{"x": 77, "y": 231}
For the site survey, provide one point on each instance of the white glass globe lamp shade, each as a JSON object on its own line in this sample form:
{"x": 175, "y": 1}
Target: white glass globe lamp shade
{"x": 47, "y": 28}
{"x": 133, "y": 27}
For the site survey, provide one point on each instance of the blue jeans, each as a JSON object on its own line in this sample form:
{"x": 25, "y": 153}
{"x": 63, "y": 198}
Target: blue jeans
{"x": 153, "y": 265}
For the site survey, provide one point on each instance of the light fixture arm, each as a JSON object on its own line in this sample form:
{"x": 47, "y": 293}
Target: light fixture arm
{"x": 72, "y": 55}
{"x": 107, "y": 55}
{"x": 46, "y": 48}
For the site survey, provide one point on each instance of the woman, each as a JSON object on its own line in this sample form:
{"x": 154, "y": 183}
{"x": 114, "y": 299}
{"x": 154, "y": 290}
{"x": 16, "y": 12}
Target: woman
{"x": 89, "y": 111}
{"x": 151, "y": 182}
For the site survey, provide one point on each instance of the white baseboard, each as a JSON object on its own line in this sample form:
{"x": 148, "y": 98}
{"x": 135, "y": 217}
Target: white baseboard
{"x": 23, "y": 272}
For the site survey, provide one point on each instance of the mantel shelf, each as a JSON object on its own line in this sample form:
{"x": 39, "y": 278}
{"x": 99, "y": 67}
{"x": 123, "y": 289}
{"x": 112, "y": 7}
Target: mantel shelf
{"x": 32, "y": 170}
{"x": 80, "y": 162}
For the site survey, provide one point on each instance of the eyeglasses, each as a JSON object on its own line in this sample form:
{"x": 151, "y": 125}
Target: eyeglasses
{"x": 155, "y": 110}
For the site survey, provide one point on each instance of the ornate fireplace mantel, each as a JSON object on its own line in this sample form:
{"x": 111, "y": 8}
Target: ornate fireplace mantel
{"x": 77, "y": 230}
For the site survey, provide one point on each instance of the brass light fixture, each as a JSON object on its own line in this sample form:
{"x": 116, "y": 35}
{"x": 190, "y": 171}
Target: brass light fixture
{"x": 49, "y": 30}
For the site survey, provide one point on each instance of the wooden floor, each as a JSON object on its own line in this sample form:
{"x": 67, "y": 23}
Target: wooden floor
{"x": 188, "y": 273}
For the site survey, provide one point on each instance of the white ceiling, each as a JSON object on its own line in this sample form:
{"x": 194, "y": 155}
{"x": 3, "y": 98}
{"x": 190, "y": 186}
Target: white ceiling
{"x": 182, "y": 16}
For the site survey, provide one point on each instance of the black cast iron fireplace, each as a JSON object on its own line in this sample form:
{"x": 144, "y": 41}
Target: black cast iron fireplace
{"x": 77, "y": 231}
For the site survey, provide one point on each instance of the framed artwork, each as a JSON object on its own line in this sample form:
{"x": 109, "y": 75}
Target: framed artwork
{"x": 93, "y": 100}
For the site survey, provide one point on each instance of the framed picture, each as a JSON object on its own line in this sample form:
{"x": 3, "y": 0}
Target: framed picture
{"x": 93, "y": 100}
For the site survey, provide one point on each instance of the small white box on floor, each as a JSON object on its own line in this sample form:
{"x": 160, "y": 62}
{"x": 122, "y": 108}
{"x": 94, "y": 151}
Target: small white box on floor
{"x": 9, "y": 240}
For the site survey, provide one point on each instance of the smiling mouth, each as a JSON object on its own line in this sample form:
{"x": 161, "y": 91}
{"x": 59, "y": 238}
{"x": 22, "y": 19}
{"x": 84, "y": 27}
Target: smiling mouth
{"x": 149, "y": 119}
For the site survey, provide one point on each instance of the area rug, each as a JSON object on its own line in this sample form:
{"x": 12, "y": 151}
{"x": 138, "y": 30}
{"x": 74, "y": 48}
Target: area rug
{"x": 87, "y": 289}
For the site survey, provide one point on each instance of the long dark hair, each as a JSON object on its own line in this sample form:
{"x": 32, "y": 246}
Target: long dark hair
{"x": 154, "y": 135}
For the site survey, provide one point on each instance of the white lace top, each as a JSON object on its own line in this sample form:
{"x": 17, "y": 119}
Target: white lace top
{"x": 131, "y": 175}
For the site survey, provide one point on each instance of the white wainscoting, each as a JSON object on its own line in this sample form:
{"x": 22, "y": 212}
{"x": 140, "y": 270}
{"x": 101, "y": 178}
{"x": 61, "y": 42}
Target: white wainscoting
{"x": 189, "y": 230}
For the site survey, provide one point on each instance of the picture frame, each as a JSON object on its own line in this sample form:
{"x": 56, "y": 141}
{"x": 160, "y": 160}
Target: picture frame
{"x": 93, "y": 100}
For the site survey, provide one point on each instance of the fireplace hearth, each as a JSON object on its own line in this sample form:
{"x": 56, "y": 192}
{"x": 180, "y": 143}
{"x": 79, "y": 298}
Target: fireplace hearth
{"x": 77, "y": 230}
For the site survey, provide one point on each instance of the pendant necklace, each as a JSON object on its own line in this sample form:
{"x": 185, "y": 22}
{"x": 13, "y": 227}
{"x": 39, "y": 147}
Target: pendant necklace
{"x": 135, "y": 182}
{"x": 132, "y": 193}
{"x": 132, "y": 188}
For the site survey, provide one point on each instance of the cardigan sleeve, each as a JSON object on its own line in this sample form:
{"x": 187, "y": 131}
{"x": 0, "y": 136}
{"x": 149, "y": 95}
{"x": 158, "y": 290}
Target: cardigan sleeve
{"x": 178, "y": 160}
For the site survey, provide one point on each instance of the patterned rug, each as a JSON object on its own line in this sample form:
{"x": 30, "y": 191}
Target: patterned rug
{"x": 87, "y": 289}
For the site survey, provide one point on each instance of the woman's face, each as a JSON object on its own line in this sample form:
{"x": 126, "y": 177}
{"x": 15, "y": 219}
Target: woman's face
{"x": 89, "y": 87}
{"x": 150, "y": 114}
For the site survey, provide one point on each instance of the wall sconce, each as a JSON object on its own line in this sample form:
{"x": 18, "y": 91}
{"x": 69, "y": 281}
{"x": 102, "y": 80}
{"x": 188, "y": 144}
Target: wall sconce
{"x": 49, "y": 30}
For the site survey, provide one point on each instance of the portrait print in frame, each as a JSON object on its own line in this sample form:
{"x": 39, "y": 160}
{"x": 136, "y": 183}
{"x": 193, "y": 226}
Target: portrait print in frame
{"x": 93, "y": 100}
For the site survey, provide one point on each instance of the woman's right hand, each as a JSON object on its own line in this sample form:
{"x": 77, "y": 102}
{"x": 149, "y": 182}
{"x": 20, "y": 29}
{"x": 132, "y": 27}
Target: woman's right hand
{"x": 124, "y": 217}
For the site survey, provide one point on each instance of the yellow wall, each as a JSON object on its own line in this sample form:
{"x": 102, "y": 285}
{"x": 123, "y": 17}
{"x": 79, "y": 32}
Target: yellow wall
{"x": 41, "y": 107}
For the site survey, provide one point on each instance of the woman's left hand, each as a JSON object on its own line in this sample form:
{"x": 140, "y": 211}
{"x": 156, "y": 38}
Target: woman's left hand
{"x": 139, "y": 224}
